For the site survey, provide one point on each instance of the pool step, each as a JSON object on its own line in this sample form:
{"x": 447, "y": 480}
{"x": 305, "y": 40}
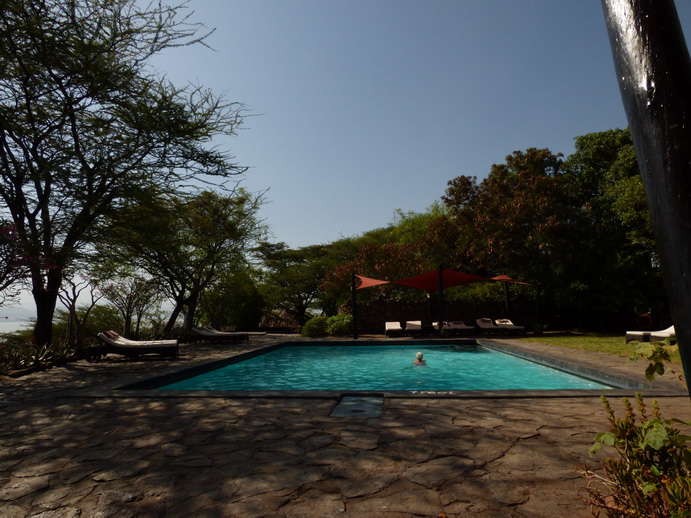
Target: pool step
{"x": 358, "y": 406}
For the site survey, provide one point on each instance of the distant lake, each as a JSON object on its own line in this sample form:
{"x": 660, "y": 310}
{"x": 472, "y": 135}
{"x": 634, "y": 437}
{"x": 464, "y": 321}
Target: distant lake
{"x": 10, "y": 326}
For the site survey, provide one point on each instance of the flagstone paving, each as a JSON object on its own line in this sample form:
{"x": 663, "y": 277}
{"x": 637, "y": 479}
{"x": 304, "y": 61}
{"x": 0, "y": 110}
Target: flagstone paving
{"x": 66, "y": 452}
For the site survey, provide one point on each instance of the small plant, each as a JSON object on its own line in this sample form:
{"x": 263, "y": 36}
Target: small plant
{"x": 340, "y": 325}
{"x": 660, "y": 356}
{"x": 16, "y": 355}
{"x": 315, "y": 327}
{"x": 651, "y": 476}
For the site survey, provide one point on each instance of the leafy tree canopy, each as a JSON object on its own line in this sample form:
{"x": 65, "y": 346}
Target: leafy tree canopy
{"x": 185, "y": 242}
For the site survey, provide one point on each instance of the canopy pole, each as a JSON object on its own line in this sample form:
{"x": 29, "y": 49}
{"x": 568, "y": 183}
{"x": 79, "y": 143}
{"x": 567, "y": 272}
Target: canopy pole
{"x": 440, "y": 284}
{"x": 353, "y": 291}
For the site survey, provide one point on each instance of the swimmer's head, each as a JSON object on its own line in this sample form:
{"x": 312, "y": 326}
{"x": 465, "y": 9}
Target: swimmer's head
{"x": 418, "y": 356}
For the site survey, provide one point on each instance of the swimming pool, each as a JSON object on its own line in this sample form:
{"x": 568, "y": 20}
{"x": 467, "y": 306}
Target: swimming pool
{"x": 452, "y": 367}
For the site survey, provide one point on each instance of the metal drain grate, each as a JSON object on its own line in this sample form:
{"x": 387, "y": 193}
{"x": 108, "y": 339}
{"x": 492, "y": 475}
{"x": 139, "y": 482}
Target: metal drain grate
{"x": 357, "y": 406}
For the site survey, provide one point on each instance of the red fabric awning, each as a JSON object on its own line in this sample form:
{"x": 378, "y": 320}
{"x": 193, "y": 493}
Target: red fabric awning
{"x": 506, "y": 278}
{"x": 367, "y": 282}
{"x": 430, "y": 281}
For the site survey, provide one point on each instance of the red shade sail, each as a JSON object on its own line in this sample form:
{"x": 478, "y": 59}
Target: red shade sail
{"x": 430, "y": 281}
{"x": 367, "y": 282}
{"x": 506, "y": 278}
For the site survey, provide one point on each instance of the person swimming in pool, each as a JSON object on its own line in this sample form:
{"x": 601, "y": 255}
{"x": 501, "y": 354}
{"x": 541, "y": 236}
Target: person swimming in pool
{"x": 419, "y": 360}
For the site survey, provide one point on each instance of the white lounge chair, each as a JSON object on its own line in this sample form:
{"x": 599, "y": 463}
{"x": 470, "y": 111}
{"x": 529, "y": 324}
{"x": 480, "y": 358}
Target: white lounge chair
{"x": 393, "y": 328}
{"x": 116, "y": 344}
{"x": 650, "y": 336}
{"x": 413, "y": 327}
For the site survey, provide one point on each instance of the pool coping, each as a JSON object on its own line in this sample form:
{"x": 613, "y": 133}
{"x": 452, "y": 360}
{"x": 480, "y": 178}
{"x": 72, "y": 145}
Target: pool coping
{"x": 626, "y": 384}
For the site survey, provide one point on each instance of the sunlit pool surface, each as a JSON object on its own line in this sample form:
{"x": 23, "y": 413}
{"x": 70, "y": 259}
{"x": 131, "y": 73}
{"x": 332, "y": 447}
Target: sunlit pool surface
{"x": 385, "y": 368}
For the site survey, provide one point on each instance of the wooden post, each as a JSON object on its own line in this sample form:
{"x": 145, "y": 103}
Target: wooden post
{"x": 354, "y": 304}
{"x": 440, "y": 286}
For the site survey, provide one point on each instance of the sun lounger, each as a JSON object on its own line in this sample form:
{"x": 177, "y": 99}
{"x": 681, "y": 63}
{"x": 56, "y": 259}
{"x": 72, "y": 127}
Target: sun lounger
{"x": 509, "y": 326}
{"x": 209, "y": 334}
{"x": 454, "y": 327}
{"x": 488, "y": 326}
{"x": 458, "y": 326}
{"x": 413, "y": 327}
{"x": 650, "y": 336}
{"x": 116, "y": 344}
{"x": 393, "y": 329}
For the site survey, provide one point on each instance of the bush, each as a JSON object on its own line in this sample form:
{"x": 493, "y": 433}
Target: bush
{"x": 315, "y": 327}
{"x": 16, "y": 354}
{"x": 340, "y": 325}
{"x": 651, "y": 477}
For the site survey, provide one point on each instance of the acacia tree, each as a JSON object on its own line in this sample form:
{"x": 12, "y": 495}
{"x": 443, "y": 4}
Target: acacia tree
{"x": 132, "y": 295}
{"x": 71, "y": 292}
{"x": 184, "y": 242}
{"x": 85, "y": 126}
{"x": 292, "y": 277}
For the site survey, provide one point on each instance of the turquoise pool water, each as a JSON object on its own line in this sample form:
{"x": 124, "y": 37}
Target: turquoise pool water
{"x": 364, "y": 367}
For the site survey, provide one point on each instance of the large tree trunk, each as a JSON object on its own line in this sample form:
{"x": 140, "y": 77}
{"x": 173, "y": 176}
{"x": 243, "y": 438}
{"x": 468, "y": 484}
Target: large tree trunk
{"x": 654, "y": 70}
{"x": 45, "y": 297}
{"x": 127, "y": 326}
{"x": 192, "y": 302}
{"x": 177, "y": 309}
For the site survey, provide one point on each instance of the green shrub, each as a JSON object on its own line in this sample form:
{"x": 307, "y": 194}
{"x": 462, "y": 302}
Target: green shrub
{"x": 315, "y": 327}
{"x": 16, "y": 354}
{"x": 651, "y": 477}
{"x": 662, "y": 356}
{"x": 340, "y": 325}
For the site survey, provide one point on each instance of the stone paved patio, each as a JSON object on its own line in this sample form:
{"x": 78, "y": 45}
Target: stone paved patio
{"x": 65, "y": 452}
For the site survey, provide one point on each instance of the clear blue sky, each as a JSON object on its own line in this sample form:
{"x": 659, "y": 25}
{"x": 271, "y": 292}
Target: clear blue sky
{"x": 362, "y": 107}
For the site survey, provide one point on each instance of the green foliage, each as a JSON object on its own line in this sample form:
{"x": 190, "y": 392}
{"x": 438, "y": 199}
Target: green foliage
{"x": 337, "y": 325}
{"x": 184, "y": 242}
{"x": 292, "y": 278}
{"x": 315, "y": 327}
{"x": 17, "y": 352}
{"x": 483, "y": 292}
{"x": 233, "y": 301}
{"x": 661, "y": 356}
{"x": 411, "y": 227}
{"x": 131, "y": 293}
{"x": 340, "y": 325}
{"x": 651, "y": 476}
{"x": 101, "y": 317}
{"x": 620, "y": 268}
